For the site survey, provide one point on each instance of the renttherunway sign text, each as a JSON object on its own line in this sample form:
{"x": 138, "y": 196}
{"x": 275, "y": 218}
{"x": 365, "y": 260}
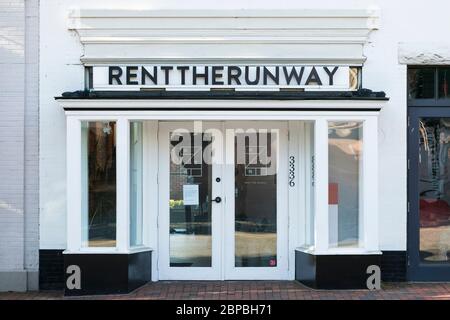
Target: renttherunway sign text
{"x": 235, "y": 76}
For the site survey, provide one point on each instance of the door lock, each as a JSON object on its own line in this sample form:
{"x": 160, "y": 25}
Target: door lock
{"x": 217, "y": 200}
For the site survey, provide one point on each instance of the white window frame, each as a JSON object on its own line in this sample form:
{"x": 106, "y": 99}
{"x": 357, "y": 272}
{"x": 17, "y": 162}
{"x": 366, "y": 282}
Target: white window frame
{"x": 75, "y": 185}
{"x": 368, "y": 188}
{"x": 368, "y": 185}
{"x": 264, "y": 110}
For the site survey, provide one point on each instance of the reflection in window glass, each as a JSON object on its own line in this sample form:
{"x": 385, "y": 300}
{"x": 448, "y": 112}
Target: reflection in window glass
{"x": 421, "y": 83}
{"x": 99, "y": 183}
{"x": 256, "y": 199}
{"x": 190, "y": 230}
{"x": 344, "y": 160}
{"x": 434, "y": 189}
{"x": 136, "y": 171}
{"x": 444, "y": 80}
{"x": 355, "y": 78}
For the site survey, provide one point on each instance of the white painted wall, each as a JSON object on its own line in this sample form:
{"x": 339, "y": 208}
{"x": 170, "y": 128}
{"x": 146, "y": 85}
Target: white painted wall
{"x": 11, "y": 135}
{"x": 19, "y": 232}
{"x": 61, "y": 70}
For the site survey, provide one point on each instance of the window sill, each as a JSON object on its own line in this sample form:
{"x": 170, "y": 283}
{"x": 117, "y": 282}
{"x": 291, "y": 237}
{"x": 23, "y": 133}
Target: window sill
{"x": 108, "y": 250}
{"x": 339, "y": 251}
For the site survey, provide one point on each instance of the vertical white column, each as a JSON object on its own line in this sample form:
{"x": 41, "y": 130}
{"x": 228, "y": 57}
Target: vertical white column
{"x": 369, "y": 181}
{"x": 73, "y": 185}
{"x": 217, "y": 212}
{"x": 321, "y": 185}
{"x": 306, "y": 153}
{"x": 123, "y": 184}
{"x": 296, "y": 194}
{"x": 151, "y": 192}
{"x": 229, "y": 187}
{"x": 296, "y": 191}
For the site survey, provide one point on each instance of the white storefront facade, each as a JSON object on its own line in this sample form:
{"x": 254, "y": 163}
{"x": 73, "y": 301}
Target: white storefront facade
{"x": 228, "y": 141}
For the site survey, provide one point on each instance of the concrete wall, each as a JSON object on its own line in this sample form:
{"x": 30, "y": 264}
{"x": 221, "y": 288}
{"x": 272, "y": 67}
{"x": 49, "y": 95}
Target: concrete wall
{"x": 61, "y": 70}
{"x": 19, "y": 175}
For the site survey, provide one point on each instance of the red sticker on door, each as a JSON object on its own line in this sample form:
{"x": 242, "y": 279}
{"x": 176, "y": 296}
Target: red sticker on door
{"x": 272, "y": 262}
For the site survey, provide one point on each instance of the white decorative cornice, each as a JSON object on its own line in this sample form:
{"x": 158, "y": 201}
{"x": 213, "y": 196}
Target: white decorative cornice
{"x": 288, "y": 35}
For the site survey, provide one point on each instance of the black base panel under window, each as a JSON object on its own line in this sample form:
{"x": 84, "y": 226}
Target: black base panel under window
{"x": 51, "y": 270}
{"x": 109, "y": 273}
{"x": 393, "y": 266}
{"x": 334, "y": 271}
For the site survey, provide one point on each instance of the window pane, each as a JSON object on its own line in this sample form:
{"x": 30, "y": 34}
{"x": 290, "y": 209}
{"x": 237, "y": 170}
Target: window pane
{"x": 256, "y": 199}
{"x": 99, "y": 187}
{"x": 136, "y": 153}
{"x": 434, "y": 190}
{"x": 355, "y": 78}
{"x": 421, "y": 83}
{"x": 444, "y": 80}
{"x": 344, "y": 158}
{"x": 190, "y": 200}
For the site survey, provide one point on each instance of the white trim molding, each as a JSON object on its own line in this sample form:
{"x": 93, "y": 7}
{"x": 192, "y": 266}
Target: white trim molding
{"x": 297, "y": 36}
{"x": 428, "y": 53}
{"x": 257, "y": 105}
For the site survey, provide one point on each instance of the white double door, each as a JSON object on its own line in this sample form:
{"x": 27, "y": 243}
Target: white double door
{"x": 223, "y": 210}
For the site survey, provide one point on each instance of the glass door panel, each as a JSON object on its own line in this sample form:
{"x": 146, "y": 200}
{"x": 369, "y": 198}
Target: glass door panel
{"x": 219, "y": 215}
{"x": 189, "y": 220}
{"x": 255, "y": 199}
{"x": 190, "y": 207}
{"x": 434, "y": 190}
{"x": 255, "y": 237}
{"x": 429, "y": 194}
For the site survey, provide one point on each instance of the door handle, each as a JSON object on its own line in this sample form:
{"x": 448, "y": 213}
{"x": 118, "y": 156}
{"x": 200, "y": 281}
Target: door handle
{"x": 217, "y": 200}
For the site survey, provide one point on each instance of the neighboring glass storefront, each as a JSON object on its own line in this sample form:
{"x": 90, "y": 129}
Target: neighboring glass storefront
{"x": 434, "y": 189}
{"x": 429, "y": 172}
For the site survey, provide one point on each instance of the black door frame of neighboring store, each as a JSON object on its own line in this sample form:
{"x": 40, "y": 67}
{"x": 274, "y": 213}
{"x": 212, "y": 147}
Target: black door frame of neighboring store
{"x": 417, "y": 270}
{"x": 426, "y": 98}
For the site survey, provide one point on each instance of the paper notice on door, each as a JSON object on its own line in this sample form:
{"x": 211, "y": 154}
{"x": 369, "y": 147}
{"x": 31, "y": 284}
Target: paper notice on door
{"x": 190, "y": 194}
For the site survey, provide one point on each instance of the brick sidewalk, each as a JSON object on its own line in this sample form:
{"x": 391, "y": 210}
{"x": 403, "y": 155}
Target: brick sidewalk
{"x": 261, "y": 290}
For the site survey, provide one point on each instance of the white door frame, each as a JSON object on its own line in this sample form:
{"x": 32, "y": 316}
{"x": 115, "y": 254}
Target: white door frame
{"x": 223, "y": 213}
{"x": 188, "y": 273}
{"x": 280, "y": 272}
